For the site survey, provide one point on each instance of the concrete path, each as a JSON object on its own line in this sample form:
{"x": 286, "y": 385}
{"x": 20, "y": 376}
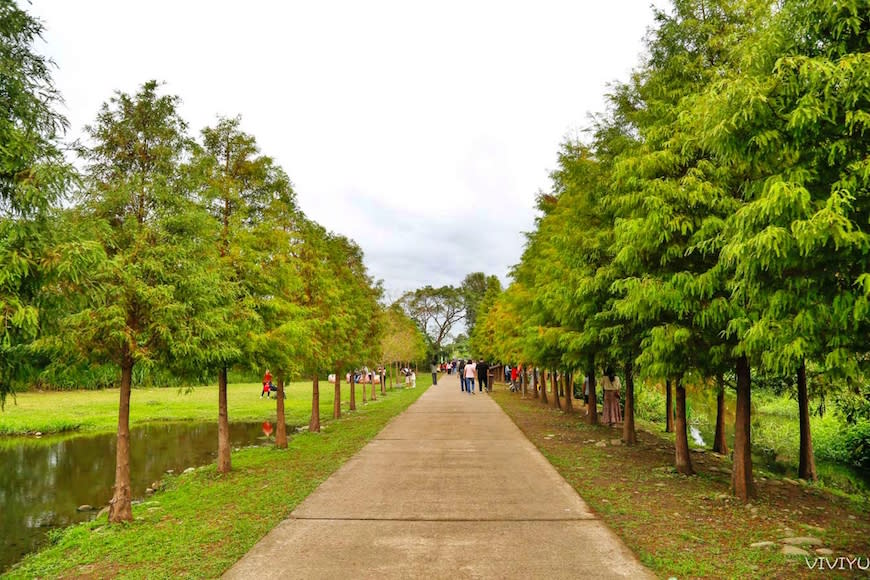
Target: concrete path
{"x": 449, "y": 489}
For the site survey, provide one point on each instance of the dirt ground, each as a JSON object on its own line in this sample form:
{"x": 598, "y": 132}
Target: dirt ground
{"x": 691, "y": 527}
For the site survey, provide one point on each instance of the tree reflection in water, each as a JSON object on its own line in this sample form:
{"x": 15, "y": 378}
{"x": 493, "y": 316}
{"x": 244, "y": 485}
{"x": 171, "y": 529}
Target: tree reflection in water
{"x": 44, "y": 481}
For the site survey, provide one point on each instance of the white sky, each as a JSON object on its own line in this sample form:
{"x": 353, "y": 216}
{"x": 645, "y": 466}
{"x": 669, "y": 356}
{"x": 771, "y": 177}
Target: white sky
{"x": 422, "y": 130}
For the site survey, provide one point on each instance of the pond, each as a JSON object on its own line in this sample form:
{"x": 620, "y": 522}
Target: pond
{"x": 701, "y": 412}
{"x": 44, "y": 481}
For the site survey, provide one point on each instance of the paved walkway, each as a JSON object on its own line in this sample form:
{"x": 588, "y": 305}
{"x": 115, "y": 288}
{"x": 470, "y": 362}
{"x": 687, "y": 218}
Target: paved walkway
{"x": 449, "y": 489}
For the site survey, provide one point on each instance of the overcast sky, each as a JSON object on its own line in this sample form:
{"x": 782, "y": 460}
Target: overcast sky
{"x": 422, "y": 130}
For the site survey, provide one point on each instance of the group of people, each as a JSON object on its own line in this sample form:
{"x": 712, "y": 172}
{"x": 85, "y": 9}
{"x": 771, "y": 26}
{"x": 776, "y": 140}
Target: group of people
{"x": 363, "y": 376}
{"x": 468, "y": 372}
{"x": 358, "y": 376}
{"x": 268, "y": 385}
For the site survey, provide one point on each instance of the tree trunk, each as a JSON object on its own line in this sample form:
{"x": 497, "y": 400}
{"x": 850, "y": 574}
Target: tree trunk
{"x": 374, "y": 394}
{"x": 383, "y": 376}
{"x": 336, "y": 398}
{"x": 535, "y": 382}
{"x": 741, "y": 470}
{"x": 121, "y": 507}
{"x": 352, "y": 405}
{"x": 555, "y": 382}
{"x": 807, "y": 465}
{"x": 224, "y": 464}
{"x": 280, "y": 419}
{"x": 390, "y": 367}
{"x": 720, "y": 445}
{"x": 363, "y": 388}
{"x": 629, "y": 434}
{"x": 314, "y": 423}
{"x": 682, "y": 456}
{"x": 544, "y": 387}
{"x": 524, "y": 381}
{"x": 568, "y": 382}
{"x": 669, "y": 407}
{"x": 592, "y": 417}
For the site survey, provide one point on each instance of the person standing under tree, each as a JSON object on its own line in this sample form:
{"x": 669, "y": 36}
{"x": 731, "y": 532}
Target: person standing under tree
{"x": 434, "y": 372}
{"x": 267, "y": 384}
{"x": 611, "y": 385}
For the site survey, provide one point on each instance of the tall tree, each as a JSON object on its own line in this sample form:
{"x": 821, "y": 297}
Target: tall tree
{"x": 280, "y": 339}
{"x": 435, "y": 310}
{"x": 239, "y": 185}
{"x": 401, "y": 340}
{"x": 154, "y": 299}
{"x": 474, "y": 289}
{"x": 33, "y": 179}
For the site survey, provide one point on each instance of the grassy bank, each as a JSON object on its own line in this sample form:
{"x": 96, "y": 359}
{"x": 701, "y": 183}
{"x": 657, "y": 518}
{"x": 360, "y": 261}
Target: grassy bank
{"x": 202, "y": 522}
{"x": 690, "y": 527}
{"x": 62, "y": 411}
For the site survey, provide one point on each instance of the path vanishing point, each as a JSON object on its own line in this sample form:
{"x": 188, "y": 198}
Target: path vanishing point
{"x": 450, "y": 488}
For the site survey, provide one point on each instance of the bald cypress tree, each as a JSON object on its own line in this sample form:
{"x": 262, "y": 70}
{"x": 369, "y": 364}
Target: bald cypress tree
{"x": 238, "y": 185}
{"x": 156, "y": 299}
{"x": 33, "y": 179}
{"x": 796, "y": 125}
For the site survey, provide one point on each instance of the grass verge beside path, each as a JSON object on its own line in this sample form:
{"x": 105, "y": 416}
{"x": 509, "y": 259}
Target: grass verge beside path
{"x": 203, "y": 522}
{"x": 64, "y": 411}
{"x": 690, "y": 527}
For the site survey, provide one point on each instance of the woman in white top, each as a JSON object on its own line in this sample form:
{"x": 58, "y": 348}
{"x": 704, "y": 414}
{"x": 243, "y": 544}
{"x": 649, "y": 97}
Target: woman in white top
{"x": 611, "y": 385}
{"x": 470, "y": 367}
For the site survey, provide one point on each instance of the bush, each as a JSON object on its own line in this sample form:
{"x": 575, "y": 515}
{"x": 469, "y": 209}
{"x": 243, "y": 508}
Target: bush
{"x": 649, "y": 404}
{"x": 845, "y": 443}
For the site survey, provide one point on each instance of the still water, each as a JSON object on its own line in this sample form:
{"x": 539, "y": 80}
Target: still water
{"x": 702, "y": 427}
{"x": 44, "y": 481}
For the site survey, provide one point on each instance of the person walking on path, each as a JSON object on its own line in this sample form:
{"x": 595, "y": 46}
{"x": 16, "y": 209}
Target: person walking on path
{"x": 461, "y": 370}
{"x": 515, "y": 373}
{"x": 434, "y": 372}
{"x": 470, "y": 367}
{"x": 482, "y": 379}
{"x": 611, "y": 385}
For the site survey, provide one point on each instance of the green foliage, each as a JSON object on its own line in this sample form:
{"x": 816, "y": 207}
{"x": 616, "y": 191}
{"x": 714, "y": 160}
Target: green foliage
{"x": 719, "y": 209}
{"x": 156, "y": 296}
{"x": 402, "y": 340}
{"x": 850, "y": 445}
{"x": 435, "y": 311}
{"x": 474, "y": 289}
{"x": 649, "y": 404}
{"x": 33, "y": 179}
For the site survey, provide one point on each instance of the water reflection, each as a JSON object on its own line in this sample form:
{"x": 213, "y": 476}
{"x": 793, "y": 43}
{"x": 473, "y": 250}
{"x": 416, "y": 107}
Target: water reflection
{"x": 42, "y": 482}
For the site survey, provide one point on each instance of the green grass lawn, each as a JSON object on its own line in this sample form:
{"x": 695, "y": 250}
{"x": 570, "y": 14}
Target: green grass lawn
{"x": 57, "y": 412}
{"x": 202, "y": 522}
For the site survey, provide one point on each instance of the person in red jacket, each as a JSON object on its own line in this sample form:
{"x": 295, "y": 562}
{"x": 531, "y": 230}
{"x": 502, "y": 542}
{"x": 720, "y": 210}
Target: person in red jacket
{"x": 514, "y": 374}
{"x": 267, "y": 384}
